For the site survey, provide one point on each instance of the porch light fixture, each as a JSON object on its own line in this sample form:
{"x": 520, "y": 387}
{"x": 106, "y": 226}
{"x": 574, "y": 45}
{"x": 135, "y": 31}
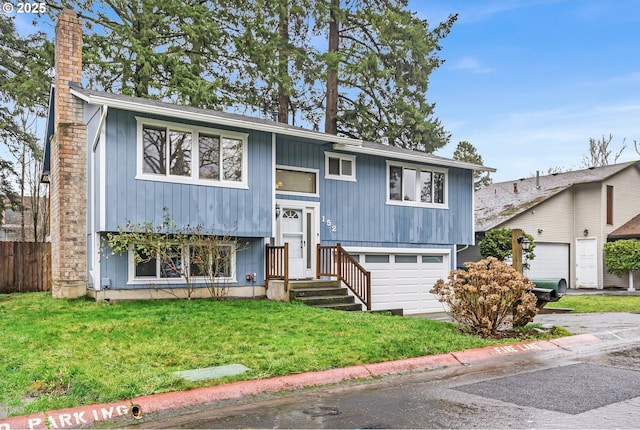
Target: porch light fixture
{"x": 277, "y": 212}
{"x": 524, "y": 243}
{"x": 585, "y": 233}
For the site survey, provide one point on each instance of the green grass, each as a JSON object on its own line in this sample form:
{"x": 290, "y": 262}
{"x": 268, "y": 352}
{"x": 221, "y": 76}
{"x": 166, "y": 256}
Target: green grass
{"x": 597, "y": 303}
{"x": 60, "y": 353}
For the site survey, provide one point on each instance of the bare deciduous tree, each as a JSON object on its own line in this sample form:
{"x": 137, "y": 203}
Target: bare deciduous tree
{"x": 599, "y": 152}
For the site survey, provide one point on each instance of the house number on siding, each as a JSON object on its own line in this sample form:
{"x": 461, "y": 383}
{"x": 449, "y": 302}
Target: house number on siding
{"x": 332, "y": 227}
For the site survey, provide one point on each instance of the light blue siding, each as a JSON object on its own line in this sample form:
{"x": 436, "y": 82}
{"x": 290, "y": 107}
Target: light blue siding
{"x": 359, "y": 210}
{"x": 228, "y": 211}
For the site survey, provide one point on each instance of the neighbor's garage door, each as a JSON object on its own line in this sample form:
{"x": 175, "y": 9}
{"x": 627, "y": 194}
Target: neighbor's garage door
{"x": 403, "y": 281}
{"x": 551, "y": 262}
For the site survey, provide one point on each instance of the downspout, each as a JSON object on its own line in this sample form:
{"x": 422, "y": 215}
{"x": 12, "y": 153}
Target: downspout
{"x": 97, "y": 282}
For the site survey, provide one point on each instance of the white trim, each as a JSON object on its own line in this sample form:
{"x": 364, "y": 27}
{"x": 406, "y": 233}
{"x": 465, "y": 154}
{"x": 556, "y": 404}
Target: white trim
{"x": 195, "y": 155}
{"x": 417, "y": 168}
{"x": 340, "y": 157}
{"x": 315, "y": 228}
{"x": 381, "y": 250}
{"x": 102, "y": 187}
{"x": 413, "y": 156}
{"x": 298, "y": 169}
{"x": 274, "y": 221}
{"x": 175, "y": 112}
{"x": 103, "y": 118}
{"x": 132, "y": 280}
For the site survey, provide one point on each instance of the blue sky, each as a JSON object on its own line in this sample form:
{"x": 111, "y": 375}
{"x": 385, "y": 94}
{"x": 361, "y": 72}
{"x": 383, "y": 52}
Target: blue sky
{"x": 528, "y": 82}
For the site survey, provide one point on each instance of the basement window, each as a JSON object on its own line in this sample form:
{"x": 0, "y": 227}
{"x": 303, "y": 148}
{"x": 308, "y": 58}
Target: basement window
{"x": 152, "y": 270}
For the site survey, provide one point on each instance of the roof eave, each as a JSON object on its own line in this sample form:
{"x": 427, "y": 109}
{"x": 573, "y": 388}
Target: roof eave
{"x": 414, "y": 156}
{"x": 174, "y": 111}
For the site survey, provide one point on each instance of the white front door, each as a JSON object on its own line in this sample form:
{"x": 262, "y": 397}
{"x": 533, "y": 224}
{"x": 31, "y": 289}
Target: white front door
{"x": 587, "y": 263}
{"x": 293, "y": 234}
{"x": 297, "y": 228}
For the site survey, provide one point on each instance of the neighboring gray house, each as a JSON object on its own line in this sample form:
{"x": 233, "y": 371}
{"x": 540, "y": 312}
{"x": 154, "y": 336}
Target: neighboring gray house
{"x": 570, "y": 215}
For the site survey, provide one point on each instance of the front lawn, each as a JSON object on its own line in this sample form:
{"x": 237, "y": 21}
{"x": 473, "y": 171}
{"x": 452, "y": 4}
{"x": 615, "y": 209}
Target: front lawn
{"x": 60, "y": 353}
{"x": 580, "y": 303}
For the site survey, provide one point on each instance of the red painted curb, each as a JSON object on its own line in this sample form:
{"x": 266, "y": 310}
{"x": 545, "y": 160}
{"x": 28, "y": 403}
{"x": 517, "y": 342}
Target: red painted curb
{"x": 412, "y": 364}
{"x": 157, "y": 402}
{"x": 580, "y": 339}
{"x": 88, "y": 416}
{"x": 468, "y": 356}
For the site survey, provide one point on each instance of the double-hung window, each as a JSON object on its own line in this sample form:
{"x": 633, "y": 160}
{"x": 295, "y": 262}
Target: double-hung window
{"x": 189, "y": 154}
{"x": 416, "y": 185}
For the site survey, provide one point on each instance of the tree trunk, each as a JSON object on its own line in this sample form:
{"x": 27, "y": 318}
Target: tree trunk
{"x": 331, "y": 120}
{"x": 283, "y": 63}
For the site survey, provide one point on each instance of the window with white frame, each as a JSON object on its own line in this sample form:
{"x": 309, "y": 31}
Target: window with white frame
{"x": 149, "y": 268}
{"x": 183, "y": 153}
{"x": 416, "y": 185}
{"x": 339, "y": 166}
{"x": 296, "y": 181}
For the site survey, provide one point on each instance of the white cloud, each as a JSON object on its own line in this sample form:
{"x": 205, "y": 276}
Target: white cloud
{"x": 472, "y": 65}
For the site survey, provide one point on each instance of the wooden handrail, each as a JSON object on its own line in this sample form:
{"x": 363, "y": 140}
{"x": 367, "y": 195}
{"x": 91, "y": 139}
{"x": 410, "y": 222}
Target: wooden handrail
{"x": 335, "y": 261}
{"x": 277, "y": 264}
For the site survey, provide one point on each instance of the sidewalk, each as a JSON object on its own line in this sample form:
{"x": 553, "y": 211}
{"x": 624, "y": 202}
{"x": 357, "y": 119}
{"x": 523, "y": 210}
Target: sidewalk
{"x": 129, "y": 411}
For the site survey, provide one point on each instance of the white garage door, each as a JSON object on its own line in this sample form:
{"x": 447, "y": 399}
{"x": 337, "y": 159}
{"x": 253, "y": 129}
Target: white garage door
{"x": 551, "y": 262}
{"x": 403, "y": 281}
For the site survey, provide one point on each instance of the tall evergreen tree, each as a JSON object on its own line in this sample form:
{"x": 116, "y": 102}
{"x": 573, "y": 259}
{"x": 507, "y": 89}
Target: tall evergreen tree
{"x": 371, "y": 83}
{"x": 384, "y": 56}
{"x": 465, "y": 151}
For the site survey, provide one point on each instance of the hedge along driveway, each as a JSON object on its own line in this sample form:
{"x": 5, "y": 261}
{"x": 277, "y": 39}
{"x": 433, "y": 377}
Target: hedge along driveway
{"x": 58, "y": 353}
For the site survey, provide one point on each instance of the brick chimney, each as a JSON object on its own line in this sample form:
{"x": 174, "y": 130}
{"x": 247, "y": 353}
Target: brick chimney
{"x": 68, "y": 190}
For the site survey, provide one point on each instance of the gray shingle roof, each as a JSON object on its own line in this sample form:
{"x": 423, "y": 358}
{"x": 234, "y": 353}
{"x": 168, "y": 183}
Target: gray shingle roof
{"x": 345, "y": 143}
{"x": 501, "y": 201}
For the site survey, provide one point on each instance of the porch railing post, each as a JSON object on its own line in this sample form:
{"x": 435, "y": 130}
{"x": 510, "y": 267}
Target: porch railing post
{"x": 286, "y": 266}
{"x": 317, "y": 261}
{"x": 339, "y": 260}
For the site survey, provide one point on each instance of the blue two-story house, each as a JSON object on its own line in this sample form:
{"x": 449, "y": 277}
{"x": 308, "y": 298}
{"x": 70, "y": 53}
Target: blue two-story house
{"x": 400, "y": 213}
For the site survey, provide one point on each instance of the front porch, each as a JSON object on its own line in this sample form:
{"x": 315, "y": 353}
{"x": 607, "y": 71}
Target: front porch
{"x": 335, "y": 268}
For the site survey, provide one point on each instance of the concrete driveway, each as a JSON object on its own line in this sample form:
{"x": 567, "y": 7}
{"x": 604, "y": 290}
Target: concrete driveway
{"x": 591, "y": 322}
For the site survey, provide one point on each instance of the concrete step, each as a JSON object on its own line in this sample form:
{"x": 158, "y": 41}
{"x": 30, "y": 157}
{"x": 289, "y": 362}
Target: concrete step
{"x": 317, "y": 292}
{"x": 354, "y": 307}
{"x": 313, "y": 283}
{"x": 328, "y": 300}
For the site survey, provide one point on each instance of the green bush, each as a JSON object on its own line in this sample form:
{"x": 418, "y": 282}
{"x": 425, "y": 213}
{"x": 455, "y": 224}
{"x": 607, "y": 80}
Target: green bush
{"x": 498, "y": 243}
{"x": 488, "y": 297}
{"x": 622, "y": 256}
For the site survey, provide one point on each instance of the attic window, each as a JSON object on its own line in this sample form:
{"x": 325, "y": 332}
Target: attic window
{"x": 340, "y": 166}
{"x": 183, "y": 153}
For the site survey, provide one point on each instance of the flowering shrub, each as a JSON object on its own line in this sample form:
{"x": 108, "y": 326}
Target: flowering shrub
{"x": 487, "y": 297}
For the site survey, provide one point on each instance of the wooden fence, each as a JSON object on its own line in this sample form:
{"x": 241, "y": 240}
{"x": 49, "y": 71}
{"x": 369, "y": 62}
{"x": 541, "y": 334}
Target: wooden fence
{"x": 25, "y": 267}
